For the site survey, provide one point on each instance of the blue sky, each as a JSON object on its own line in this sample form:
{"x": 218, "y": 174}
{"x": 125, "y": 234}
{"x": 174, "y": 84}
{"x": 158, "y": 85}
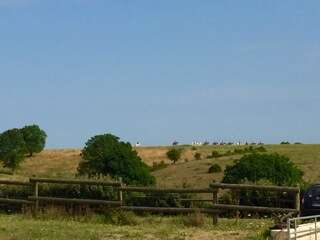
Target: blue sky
{"x": 159, "y": 71}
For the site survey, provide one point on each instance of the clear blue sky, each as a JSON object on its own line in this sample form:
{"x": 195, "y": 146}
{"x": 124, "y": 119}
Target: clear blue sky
{"x": 158, "y": 71}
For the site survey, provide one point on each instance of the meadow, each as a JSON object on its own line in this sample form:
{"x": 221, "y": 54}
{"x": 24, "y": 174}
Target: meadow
{"x": 188, "y": 170}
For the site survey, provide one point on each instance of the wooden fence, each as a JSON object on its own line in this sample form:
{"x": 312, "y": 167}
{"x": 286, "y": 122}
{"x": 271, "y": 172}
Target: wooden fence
{"x": 120, "y": 188}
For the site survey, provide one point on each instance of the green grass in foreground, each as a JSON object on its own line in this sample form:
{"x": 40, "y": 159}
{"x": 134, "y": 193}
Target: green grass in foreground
{"x": 21, "y": 227}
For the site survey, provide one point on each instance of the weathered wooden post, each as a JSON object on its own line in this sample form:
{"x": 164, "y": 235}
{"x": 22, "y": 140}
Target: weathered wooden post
{"x": 36, "y": 194}
{"x": 237, "y": 196}
{"x": 297, "y": 201}
{"x": 215, "y": 201}
{"x": 120, "y": 196}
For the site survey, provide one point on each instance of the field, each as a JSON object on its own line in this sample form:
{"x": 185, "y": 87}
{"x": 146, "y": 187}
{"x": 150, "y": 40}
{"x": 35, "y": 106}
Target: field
{"x": 64, "y": 162}
{"x": 18, "y": 227}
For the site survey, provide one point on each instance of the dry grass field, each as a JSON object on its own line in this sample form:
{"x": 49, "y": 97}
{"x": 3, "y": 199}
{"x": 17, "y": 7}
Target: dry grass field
{"x": 64, "y": 162}
{"x": 20, "y": 227}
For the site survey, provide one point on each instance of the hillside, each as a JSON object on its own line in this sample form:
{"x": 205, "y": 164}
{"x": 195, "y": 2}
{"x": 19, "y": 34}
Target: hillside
{"x": 64, "y": 162}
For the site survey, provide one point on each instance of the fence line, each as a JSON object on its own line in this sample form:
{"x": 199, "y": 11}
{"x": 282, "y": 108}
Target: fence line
{"x": 120, "y": 188}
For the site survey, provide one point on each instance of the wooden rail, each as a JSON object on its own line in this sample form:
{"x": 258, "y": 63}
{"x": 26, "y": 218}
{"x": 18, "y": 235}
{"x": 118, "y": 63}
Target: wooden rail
{"x": 170, "y": 210}
{"x": 76, "y": 182}
{"x": 166, "y": 190}
{"x": 253, "y": 208}
{"x": 15, "y": 201}
{"x": 76, "y": 200}
{"x": 254, "y": 187}
{"x": 14, "y": 182}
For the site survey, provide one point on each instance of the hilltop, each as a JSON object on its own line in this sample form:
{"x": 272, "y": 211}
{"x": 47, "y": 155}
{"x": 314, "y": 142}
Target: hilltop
{"x": 64, "y": 162}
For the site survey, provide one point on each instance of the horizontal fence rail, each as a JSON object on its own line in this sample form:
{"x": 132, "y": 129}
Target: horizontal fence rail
{"x": 15, "y": 201}
{"x": 76, "y": 200}
{"x": 253, "y": 208}
{"x": 71, "y": 181}
{"x": 119, "y": 188}
{"x": 166, "y": 190}
{"x": 170, "y": 210}
{"x": 255, "y": 187}
{"x": 14, "y": 182}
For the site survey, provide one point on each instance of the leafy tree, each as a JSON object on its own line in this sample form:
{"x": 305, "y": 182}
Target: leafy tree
{"x": 267, "y": 169}
{"x": 174, "y": 155}
{"x": 35, "y": 138}
{"x": 254, "y": 167}
{"x": 106, "y": 155}
{"x": 12, "y": 148}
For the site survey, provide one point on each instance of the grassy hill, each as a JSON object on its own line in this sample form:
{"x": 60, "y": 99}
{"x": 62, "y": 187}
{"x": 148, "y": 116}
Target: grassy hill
{"x": 64, "y": 162}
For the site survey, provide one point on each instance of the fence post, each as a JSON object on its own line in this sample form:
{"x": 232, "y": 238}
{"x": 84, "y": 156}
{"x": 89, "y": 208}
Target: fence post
{"x": 237, "y": 194}
{"x": 297, "y": 202}
{"x": 36, "y": 194}
{"x": 214, "y": 201}
{"x": 120, "y": 196}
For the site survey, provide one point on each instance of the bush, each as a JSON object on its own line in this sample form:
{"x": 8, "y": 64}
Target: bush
{"x": 35, "y": 138}
{"x": 275, "y": 168}
{"x": 215, "y": 168}
{"x": 12, "y": 148}
{"x": 157, "y": 199}
{"x": 105, "y": 155}
{"x": 120, "y": 217}
{"x": 196, "y": 219}
{"x": 197, "y": 156}
{"x": 174, "y": 155}
{"x": 228, "y": 153}
{"x": 157, "y": 166}
{"x": 261, "y": 149}
{"x": 215, "y": 154}
{"x": 285, "y": 142}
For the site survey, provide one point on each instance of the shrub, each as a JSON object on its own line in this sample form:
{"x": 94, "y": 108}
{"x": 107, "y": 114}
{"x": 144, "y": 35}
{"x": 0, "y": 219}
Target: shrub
{"x": 261, "y": 149}
{"x": 215, "y": 168}
{"x": 272, "y": 167}
{"x": 12, "y": 148}
{"x": 238, "y": 151}
{"x": 195, "y": 219}
{"x": 157, "y": 166}
{"x": 197, "y": 156}
{"x": 228, "y": 153}
{"x": 215, "y": 154}
{"x": 174, "y": 155}
{"x": 105, "y": 155}
{"x": 285, "y": 142}
{"x": 120, "y": 217}
{"x": 159, "y": 199}
{"x": 193, "y": 148}
{"x": 35, "y": 138}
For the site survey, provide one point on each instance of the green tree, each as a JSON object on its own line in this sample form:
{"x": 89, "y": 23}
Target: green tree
{"x": 35, "y": 138}
{"x": 174, "y": 155}
{"x": 107, "y": 155}
{"x": 275, "y": 168}
{"x": 12, "y": 148}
